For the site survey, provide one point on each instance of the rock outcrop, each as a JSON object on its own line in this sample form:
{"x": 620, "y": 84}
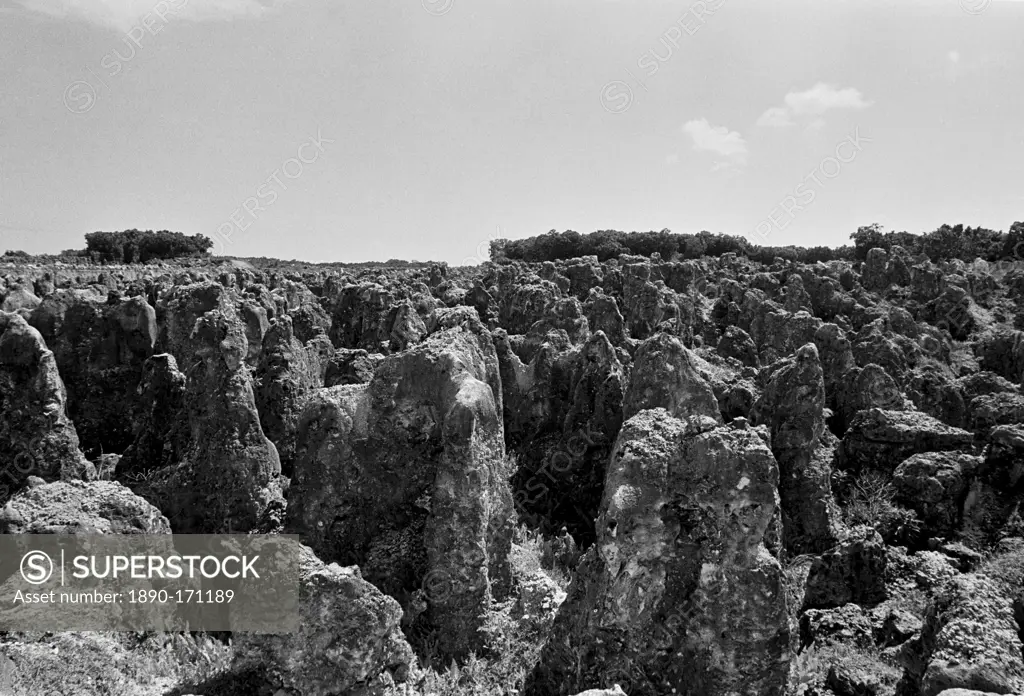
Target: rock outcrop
{"x": 853, "y": 571}
{"x": 79, "y": 507}
{"x": 286, "y": 375}
{"x": 178, "y": 311}
{"x": 935, "y": 485}
{"x": 100, "y": 345}
{"x": 680, "y": 593}
{"x": 425, "y": 411}
{"x": 162, "y": 430}
{"x": 228, "y": 480}
{"x": 863, "y": 389}
{"x": 792, "y": 407}
{"x": 406, "y": 477}
{"x": 879, "y": 440}
{"x": 562, "y": 411}
{"x": 970, "y": 640}
{"x": 349, "y": 637}
{"x": 36, "y": 436}
{"x": 350, "y": 366}
{"x": 665, "y": 375}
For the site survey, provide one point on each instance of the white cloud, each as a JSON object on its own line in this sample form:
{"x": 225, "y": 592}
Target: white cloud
{"x": 812, "y": 102}
{"x": 954, "y": 57}
{"x": 125, "y": 14}
{"x": 821, "y": 98}
{"x": 719, "y": 140}
{"x": 776, "y": 117}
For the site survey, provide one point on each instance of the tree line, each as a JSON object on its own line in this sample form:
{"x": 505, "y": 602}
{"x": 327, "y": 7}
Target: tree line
{"x": 947, "y": 242}
{"x": 135, "y": 246}
{"x": 126, "y": 246}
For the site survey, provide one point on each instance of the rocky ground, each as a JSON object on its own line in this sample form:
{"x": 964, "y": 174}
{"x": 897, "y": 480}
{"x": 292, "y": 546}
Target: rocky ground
{"x": 774, "y": 479}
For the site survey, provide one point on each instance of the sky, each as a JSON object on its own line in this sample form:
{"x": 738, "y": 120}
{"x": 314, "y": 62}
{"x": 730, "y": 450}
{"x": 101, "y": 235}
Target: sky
{"x": 422, "y": 129}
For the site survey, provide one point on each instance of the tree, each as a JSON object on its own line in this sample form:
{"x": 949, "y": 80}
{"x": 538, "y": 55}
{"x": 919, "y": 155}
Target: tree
{"x": 134, "y": 246}
{"x": 866, "y": 238}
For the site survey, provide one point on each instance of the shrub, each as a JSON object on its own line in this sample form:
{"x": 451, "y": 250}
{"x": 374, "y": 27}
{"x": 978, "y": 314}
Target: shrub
{"x": 1006, "y": 567}
{"x": 870, "y": 499}
{"x": 810, "y": 668}
{"x": 115, "y": 664}
{"x": 532, "y": 552}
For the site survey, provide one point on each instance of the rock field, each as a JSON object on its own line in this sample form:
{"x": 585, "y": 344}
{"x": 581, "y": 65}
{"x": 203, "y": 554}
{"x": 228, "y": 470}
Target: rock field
{"x": 781, "y": 479}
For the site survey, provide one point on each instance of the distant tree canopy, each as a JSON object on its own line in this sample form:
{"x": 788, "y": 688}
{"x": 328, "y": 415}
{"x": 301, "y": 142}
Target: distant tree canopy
{"x": 609, "y": 244}
{"x": 135, "y": 246}
{"x": 947, "y": 242}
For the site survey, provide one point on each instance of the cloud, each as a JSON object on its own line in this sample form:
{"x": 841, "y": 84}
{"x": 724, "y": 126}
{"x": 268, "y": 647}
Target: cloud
{"x": 821, "y": 98}
{"x": 719, "y": 140}
{"x": 125, "y": 14}
{"x": 777, "y": 117}
{"x": 813, "y": 102}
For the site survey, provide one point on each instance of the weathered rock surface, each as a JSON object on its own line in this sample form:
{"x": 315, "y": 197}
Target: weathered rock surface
{"x": 847, "y": 625}
{"x": 665, "y": 375}
{"x": 865, "y": 388}
{"x": 880, "y": 440}
{"x": 79, "y": 507}
{"x": 349, "y": 637}
{"x": 162, "y": 430}
{"x": 562, "y": 412}
{"x": 36, "y": 436}
{"x": 349, "y": 366}
{"x": 854, "y": 571}
{"x": 985, "y": 382}
{"x": 603, "y": 315}
{"x": 836, "y": 355}
{"x": 935, "y": 393}
{"x": 177, "y": 313}
{"x": 580, "y": 345}
{"x": 989, "y": 410}
{"x": 992, "y": 507}
{"x": 935, "y": 485}
{"x": 737, "y": 343}
{"x": 228, "y": 480}
{"x": 19, "y": 299}
{"x": 970, "y": 640}
{"x": 792, "y": 407}
{"x": 406, "y": 477}
{"x": 1002, "y": 352}
{"x": 781, "y": 333}
{"x": 286, "y": 374}
{"x": 615, "y": 691}
{"x": 679, "y": 585}
{"x": 100, "y": 345}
